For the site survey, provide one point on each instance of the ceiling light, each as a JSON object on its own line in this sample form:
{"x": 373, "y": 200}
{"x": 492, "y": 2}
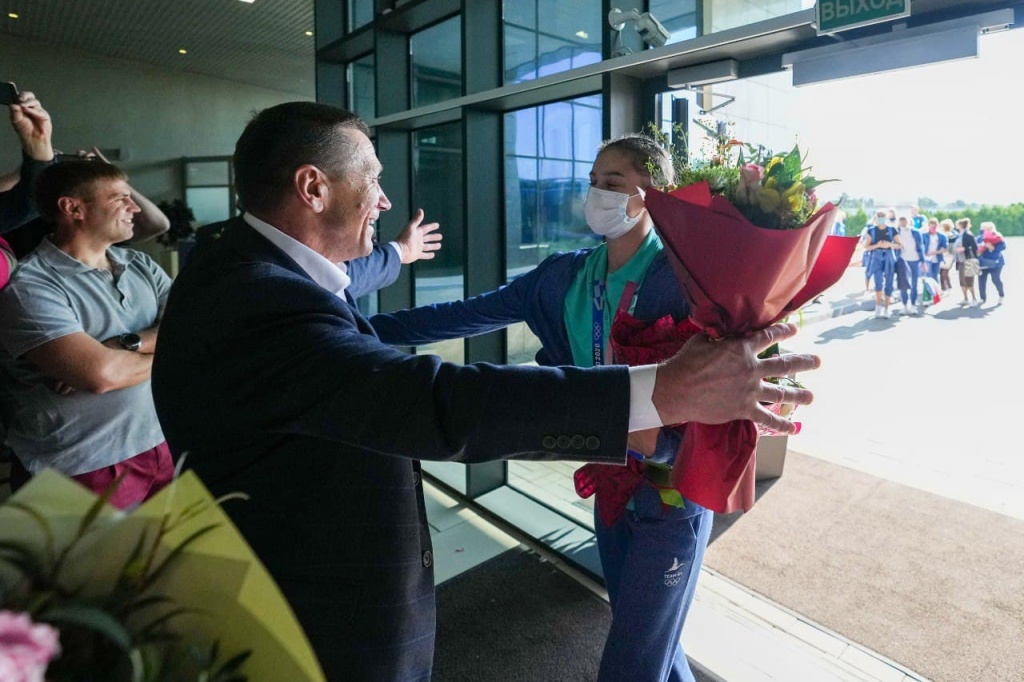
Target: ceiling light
{"x": 582, "y": 34}
{"x": 309, "y": 33}
{"x": 183, "y": 51}
{"x": 248, "y": 2}
{"x": 12, "y": 15}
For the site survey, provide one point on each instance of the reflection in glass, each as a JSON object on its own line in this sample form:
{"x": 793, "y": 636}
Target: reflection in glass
{"x": 361, "y": 13}
{"x": 679, "y": 17}
{"x": 436, "y": 55}
{"x": 361, "y": 82}
{"x": 542, "y": 37}
{"x": 208, "y": 172}
{"x": 549, "y": 151}
{"x": 548, "y": 154}
{"x": 209, "y": 204}
{"x": 437, "y": 189}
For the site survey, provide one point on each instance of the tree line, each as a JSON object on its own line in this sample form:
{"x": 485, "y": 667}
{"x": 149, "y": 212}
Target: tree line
{"x": 1009, "y": 220}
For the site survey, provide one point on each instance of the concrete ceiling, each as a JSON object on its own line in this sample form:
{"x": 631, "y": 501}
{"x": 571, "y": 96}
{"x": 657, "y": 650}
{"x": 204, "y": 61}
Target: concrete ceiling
{"x": 262, "y": 43}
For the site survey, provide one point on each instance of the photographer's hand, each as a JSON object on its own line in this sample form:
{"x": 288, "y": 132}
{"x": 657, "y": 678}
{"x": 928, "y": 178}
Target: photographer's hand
{"x": 33, "y": 126}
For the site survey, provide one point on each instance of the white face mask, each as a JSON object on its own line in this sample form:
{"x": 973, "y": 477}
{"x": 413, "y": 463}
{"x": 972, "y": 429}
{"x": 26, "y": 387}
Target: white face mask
{"x": 606, "y": 213}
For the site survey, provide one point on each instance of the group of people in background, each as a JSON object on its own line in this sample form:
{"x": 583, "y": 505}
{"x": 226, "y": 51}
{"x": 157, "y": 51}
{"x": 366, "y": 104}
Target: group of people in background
{"x": 914, "y": 254}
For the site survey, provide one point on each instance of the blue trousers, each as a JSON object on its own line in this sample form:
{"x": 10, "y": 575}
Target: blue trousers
{"x": 882, "y": 269}
{"x": 908, "y": 273}
{"x": 651, "y": 559}
{"x": 934, "y": 268}
{"x": 995, "y": 273}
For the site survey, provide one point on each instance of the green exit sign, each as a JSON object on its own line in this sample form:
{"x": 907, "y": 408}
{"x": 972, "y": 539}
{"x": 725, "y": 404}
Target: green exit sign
{"x": 840, "y": 15}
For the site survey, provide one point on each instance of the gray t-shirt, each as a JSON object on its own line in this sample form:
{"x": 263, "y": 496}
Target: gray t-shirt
{"x": 50, "y": 296}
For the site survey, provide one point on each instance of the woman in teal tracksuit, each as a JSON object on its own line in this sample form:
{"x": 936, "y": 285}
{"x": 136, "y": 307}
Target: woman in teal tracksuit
{"x": 652, "y": 553}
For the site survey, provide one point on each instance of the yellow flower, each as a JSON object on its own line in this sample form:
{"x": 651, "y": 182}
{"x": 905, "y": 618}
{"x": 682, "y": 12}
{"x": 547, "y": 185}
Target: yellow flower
{"x": 769, "y": 200}
{"x": 796, "y": 202}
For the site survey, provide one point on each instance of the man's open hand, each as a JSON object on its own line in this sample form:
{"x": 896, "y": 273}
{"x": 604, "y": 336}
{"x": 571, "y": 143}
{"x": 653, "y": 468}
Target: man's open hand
{"x": 419, "y": 240}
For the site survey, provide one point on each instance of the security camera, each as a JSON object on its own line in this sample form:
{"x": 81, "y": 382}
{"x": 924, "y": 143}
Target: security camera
{"x": 649, "y": 28}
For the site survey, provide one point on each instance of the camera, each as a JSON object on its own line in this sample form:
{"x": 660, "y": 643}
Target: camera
{"x": 649, "y": 28}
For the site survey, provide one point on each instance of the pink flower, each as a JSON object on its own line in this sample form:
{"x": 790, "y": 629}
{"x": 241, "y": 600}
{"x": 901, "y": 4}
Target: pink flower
{"x": 25, "y": 648}
{"x": 750, "y": 183}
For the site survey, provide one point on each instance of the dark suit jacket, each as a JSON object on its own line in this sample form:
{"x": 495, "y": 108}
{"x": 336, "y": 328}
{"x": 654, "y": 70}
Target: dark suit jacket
{"x": 279, "y": 389}
{"x": 370, "y": 273}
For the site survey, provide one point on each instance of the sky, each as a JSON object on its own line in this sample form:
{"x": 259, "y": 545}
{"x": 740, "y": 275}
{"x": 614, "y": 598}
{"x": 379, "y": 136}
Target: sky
{"x": 947, "y": 131}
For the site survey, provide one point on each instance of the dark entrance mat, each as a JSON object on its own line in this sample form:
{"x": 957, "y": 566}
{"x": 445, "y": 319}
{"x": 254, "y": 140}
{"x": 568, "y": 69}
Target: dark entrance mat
{"x": 517, "y": 617}
{"x": 933, "y": 584}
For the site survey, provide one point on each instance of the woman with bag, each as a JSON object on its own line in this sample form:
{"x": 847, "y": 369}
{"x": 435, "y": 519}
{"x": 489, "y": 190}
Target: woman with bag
{"x": 948, "y": 258}
{"x": 968, "y": 267}
{"x": 990, "y": 256}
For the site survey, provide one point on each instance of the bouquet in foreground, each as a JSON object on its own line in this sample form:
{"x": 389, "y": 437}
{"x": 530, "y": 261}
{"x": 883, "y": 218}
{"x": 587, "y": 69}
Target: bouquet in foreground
{"x": 749, "y": 245}
{"x": 169, "y": 591}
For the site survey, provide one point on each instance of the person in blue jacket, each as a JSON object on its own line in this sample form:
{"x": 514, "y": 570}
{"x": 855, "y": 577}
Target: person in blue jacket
{"x": 651, "y": 555}
{"x": 883, "y": 243}
{"x": 990, "y": 257}
{"x": 909, "y": 265}
{"x": 935, "y": 246}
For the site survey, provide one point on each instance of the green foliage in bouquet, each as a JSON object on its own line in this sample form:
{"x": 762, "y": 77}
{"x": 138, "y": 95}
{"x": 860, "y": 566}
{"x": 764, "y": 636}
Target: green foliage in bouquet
{"x": 120, "y": 632}
{"x": 773, "y": 191}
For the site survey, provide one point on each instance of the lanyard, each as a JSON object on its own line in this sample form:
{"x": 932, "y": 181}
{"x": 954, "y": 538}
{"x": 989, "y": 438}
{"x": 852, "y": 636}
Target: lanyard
{"x": 597, "y": 338}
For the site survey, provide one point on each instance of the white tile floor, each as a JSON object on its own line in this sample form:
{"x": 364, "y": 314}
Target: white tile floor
{"x": 731, "y": 634}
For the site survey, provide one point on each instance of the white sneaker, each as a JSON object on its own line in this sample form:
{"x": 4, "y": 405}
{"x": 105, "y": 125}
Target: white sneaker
{"x": 878, "y": 312}
{"x": 915, "y": 311}
{"x": 1000, "y": 300}
{"x": 907, "y": 310}
{"x": 975, "y": 304}
{"x": 885, "y": 314}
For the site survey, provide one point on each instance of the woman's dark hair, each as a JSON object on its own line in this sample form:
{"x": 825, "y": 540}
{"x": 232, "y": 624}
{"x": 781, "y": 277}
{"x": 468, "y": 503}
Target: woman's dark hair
{"x": 648, "y": 157}
{"x": 74, "y": 177}
{"x": 280, "y": 139}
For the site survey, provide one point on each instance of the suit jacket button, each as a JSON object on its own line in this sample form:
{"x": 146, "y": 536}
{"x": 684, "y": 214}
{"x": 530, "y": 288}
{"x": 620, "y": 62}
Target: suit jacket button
{"x": 578, "y": 442}
{"x": 593, "y": 443}
{"x": 563, "y": 442}
{"x": 548, "y": 442}
{"x": 428, "y": 559}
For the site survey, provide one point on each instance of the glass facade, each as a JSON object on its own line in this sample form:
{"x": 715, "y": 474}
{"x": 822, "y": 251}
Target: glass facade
{"x": 360, "y": 13}
{"x": 542, "y": 38}
{"x": 361, "y": 87}
{"x": 438, "y": 190}
{"x": 548, "y": 154}
{"x": 549, "y": 151}
{"x": 679, "y": 17}
{"x": 436, "y": 61}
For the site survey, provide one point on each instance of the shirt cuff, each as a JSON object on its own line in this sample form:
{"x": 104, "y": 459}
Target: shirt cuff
{"x": 397, "y": 248}
{"x": 642, "y": 413}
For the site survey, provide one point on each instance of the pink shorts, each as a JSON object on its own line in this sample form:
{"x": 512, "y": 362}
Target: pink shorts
{"x": 144, "y": 475}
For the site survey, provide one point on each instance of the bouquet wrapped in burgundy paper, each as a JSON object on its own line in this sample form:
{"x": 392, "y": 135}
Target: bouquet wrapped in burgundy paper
{"x": 746, "y": 256}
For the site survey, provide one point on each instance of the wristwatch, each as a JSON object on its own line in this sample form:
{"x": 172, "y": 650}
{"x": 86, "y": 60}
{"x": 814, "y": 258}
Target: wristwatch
{"x": 130, "y": 341}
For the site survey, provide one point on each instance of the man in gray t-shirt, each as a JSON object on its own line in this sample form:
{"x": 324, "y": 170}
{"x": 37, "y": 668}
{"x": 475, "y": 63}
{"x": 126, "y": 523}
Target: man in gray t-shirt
{"x": 78, "y": 327}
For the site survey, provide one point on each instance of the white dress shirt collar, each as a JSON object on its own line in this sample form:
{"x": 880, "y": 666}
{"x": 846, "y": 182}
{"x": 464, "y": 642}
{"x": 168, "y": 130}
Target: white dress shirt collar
{"x": 325, "y": 273}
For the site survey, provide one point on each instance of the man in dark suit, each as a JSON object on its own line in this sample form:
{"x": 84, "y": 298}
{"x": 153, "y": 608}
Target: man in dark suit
{"x": 271, "y": 380}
